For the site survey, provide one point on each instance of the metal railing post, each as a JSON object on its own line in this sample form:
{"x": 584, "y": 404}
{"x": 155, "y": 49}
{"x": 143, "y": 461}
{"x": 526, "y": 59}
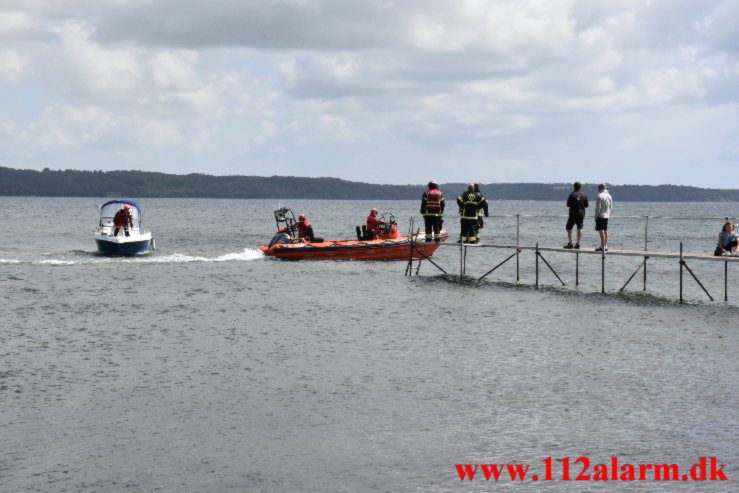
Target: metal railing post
{"x": 518, "y": 238}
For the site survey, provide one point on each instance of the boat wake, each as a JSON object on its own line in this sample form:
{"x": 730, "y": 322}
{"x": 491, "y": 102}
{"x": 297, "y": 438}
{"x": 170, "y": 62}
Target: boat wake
{"x": 78, "y": 257}
{"x": 247, "y": 255}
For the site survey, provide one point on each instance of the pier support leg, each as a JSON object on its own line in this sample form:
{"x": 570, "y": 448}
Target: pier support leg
{"x": 645, "y": 273}
{"x": 518, "y": 238}
{"x": 424, "y": 256}
{"x": 726, "y": 281}
{"x": 603, "y": 272}
{"x": 577, "y": 269}
{"x": 550, "y": 268}
{"x": 642, "y": 264}
{"x": 682, "y": 263}
{"x": 537, "y": 265}
{"x": 461, "y": 260}
{"x": 503, "y": 262}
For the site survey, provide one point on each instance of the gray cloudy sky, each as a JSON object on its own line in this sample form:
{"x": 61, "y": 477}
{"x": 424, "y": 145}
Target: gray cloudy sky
{"x": 383, "y": 91}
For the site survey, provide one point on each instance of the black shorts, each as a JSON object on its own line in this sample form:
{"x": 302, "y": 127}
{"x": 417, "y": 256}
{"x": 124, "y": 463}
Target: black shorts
{"x": 574, "y": 220}
{"x": 601, "y": 224}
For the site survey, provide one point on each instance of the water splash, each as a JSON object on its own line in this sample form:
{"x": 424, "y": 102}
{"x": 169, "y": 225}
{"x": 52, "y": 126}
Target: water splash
{"x": 84, "y": 257}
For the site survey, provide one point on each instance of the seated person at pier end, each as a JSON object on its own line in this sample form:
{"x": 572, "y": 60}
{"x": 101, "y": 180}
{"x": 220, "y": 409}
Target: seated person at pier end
{"x": 727, "y": 240}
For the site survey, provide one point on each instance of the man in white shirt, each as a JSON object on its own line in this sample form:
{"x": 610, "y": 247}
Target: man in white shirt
{"x": 603, "y": 207}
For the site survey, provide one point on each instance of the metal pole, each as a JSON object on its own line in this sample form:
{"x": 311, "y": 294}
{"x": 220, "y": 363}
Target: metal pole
{"x": 537, "y": 264}
{"x": 493, "y": 269}
{"x": 461, "y": 259}
{"x": 518, "y": 237}
{"x": 464, "y": 264}
{"x": 646, "y": 248}
{"x": 726, "y": 281}
{"x": 646, "y": 232}
{"x": 645, "y": 273}
{"x": 603, "y": 271}
{"x": 577, "y": 269}
{"x": 409, "y": 267}
{"x": 682, "y": 262}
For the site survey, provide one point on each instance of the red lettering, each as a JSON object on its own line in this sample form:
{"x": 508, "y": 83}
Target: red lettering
{"x": 715, "y": 473}
{"x": 493, "y": 470}
{"x": 548, "y": 474}
{"x": 518, "y": 470}
{"x": 643, "y": 471}
{"x": 585, "y": 465}
{"x": 466, "y": 470}
{"x": 601, "y": 472}
{"x": 627, "y": 473}
{"x": 670, "y": 472}
{"x": 699, "y": 467}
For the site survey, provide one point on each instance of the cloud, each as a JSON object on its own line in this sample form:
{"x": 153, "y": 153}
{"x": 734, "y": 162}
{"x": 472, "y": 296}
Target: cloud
{"x": 503, "y": 87}
{"x": 13, "y": 66}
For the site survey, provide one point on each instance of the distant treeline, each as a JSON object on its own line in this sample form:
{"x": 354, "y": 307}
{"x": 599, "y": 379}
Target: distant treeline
{"x": 74, "y": 183}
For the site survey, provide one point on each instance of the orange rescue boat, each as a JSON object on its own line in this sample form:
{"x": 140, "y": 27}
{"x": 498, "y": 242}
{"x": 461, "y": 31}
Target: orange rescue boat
{"x": 389, "y": 245}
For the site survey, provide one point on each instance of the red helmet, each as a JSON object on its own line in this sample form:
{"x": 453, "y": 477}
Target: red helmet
{"x": 301, "y": 217}
{"x": 373, "y": 210}
{"x": 126, "y": 206}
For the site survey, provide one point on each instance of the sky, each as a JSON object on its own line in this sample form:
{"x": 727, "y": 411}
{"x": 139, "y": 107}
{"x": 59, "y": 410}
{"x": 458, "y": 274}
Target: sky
{"x": 379, "y": 91}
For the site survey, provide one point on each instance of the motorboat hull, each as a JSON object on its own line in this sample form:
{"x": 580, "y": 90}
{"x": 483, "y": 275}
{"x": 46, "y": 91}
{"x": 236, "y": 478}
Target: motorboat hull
{"x": 381, "y": 249}
{"x": 126, "y": 246}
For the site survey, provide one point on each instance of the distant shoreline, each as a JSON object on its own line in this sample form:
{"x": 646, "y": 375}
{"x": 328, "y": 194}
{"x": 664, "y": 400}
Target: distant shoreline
{"x": 148, "y": 184}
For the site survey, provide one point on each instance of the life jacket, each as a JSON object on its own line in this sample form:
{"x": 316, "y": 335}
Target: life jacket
{"x": 373, "y": 223}
{"x": 433, "y": 200}
{"x": 304, "y": 229}
{"x": 122, "y": 218}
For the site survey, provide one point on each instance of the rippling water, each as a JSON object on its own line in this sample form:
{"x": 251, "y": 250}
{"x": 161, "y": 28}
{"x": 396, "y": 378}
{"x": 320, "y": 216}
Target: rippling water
{"x": 206, "y": 367}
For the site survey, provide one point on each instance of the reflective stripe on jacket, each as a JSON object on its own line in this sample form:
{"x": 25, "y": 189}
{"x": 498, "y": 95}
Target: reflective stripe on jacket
{"x": 469, "y": 203}
{"x": 432, "y": 203}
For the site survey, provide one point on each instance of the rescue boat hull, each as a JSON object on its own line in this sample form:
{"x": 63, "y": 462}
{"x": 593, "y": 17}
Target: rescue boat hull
{"x": 382, "y": 249}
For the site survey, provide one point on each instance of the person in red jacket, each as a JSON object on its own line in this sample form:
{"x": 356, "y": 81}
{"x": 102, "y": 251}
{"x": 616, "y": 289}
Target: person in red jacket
{"x": 305, "y": 230}
{"x": 373, "y": 224}
{"x": 123, "y": 219}
{"x": 432, "y": 209}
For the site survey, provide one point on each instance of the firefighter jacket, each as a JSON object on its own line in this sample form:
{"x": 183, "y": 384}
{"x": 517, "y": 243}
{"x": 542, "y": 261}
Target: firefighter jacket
{"x": 469, "y": 203}
{"x": 432, "y": 203}
{"x": 483, "y": 206}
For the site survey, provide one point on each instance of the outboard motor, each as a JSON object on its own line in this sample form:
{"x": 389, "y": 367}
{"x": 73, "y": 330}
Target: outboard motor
{"x": 280, "y": 238}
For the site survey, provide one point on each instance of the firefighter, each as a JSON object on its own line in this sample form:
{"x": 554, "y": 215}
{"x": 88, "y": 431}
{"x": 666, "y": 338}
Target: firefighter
{"x": 373, "y": 224}
{"x": 432, "y": 209}
{"x": 123, "y": 219}
{"x": 305, "y": 230}
{"x": 483, "y": 209}
{"x": 470, "y": 202}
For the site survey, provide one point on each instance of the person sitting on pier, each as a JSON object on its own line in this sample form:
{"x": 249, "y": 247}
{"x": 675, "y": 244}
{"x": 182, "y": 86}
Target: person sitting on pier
{"x": 122, "y": 219}
{"x": 305, "y": 230}
{"x": 727, "y": 240}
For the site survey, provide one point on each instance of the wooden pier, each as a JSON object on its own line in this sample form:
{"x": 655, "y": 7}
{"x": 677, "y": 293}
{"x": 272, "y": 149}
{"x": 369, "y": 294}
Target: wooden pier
{"x": 517, "y": 249}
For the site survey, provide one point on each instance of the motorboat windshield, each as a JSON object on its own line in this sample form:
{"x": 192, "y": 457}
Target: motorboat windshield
{"x": 109, "y": 209}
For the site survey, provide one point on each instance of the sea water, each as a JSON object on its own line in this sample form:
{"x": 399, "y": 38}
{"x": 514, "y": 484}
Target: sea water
{"x": 208, "y": 367}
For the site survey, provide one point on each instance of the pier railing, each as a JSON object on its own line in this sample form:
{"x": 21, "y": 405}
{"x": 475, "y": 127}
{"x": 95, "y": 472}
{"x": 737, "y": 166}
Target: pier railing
{"x": 518, "y": 248}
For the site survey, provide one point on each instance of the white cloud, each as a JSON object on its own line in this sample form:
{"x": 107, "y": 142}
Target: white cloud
{"x": 410, "y": 84}
{"x": 13, "y": 65}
